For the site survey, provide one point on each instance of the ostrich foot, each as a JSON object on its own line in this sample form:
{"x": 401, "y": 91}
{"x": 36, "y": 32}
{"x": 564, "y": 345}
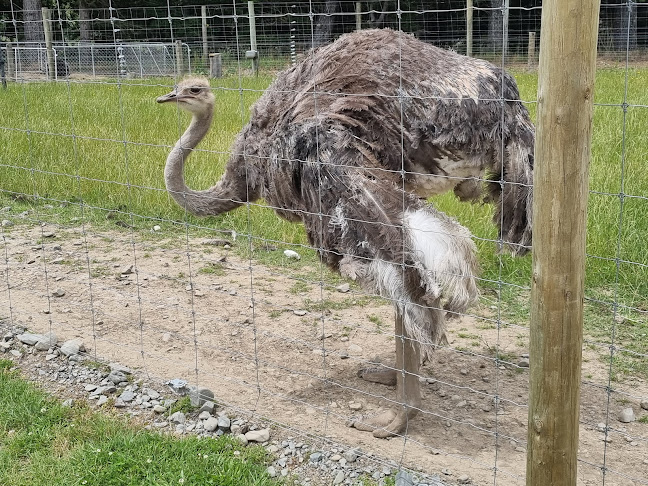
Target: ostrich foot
{"x": 382, "y": 375}
{"x": 387, "y": 424}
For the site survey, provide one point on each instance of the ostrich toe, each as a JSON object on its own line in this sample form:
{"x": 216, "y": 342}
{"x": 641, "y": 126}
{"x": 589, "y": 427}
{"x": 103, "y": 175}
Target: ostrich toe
{"x": 382, "y": 375}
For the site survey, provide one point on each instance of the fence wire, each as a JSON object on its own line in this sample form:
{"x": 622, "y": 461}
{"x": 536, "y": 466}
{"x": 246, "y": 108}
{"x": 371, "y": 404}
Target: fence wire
{"x": 94, "y": 247}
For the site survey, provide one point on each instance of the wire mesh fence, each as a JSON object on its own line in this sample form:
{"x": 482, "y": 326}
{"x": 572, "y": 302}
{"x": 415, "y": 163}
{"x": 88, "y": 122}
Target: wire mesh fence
{"x": 487, "y": 29}
{"x": 95, "y": 248}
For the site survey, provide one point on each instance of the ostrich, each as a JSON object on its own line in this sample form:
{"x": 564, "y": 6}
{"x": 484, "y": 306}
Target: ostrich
{"x": 349, "y": 142}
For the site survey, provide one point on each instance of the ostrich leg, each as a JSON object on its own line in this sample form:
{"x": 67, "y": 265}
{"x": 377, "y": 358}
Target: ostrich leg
{"x": 408, "y": 357}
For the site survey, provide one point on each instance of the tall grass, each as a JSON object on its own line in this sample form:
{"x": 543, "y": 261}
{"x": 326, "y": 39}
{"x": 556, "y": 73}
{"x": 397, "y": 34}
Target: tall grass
{"x": 105, "y": 143}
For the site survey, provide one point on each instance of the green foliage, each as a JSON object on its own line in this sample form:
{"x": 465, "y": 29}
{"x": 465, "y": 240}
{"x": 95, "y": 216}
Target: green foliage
{"x": 45, "y": 444}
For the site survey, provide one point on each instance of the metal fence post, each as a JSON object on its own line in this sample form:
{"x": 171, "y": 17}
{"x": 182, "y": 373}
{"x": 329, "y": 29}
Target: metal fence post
{"x": 562, "y": 153}
{"x": 253, "y": 53}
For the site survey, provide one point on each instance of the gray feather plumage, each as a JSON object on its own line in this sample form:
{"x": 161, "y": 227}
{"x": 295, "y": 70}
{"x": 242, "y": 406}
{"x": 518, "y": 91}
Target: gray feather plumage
{"x": 346, "y": 142}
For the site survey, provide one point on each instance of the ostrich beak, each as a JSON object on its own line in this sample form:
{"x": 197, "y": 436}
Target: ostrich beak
{"x": 172, "y": 96}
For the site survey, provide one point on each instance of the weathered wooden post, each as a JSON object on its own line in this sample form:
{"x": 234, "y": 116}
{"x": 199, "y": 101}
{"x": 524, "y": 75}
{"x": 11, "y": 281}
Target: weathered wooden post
{"x": 205, "y": 42}
{"x": 531, "y": 55}
{"x": 505, "y": 30}
{"x": 358, "y": 15}
{"x": 215, "y": 65}
{"x": 469, "y": 28}
{"x": 11, "y": 62}
{"x": 562, "y": 153}
{"x": 253, "y": 53}
{"x": 47, "y": 28}
{"x": 179, "y": 58}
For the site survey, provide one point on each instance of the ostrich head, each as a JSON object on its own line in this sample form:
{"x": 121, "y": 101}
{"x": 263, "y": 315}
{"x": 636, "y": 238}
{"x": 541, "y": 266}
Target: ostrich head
{"x": 193, "y": 95}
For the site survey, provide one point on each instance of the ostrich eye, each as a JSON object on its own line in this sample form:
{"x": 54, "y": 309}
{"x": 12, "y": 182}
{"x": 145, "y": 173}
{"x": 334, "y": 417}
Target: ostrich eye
{"x": 195, "y": 90}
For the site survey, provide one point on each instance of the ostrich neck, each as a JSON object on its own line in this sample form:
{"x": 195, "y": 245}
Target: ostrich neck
{"x": 224, "y": 196}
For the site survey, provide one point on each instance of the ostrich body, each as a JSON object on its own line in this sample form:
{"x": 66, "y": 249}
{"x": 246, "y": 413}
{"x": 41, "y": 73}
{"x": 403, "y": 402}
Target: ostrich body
{"x": 347, "y": 142}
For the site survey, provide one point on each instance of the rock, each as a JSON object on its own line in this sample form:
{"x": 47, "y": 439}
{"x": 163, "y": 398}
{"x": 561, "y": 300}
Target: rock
{"x": 46, "y": 341}
{"x": 262, "y": 435}
{"x": 208, "y": 407}
{"x": 15, "y": 353}
{"x": 272, "y": 472}
{"x": 177, "y": 384}
{"x": 204, "y": 415}
{"x": 224, "y": 423}
{"x": 151, "y": 393}
{"x": 102, "y": 400}
{"x": 58, "y": 293}
{"x": 68, "y": 403}
{"x": 351, "y": 456}
{"x": 242, "y": 439}
{"x": 177, "y": 418}
{"x": 523, "y": 363}
{"x": 119, "y": 403}
{"x": 29, "y": 338}
{"x": 117, "y": 377}
{"x": 354, "y": 349}
{"x": 157, "y": 228}
{"x": 199, "y": 395}
{"x": 72, "y": 347}
{"x": 292, "y": 254}
{"x": 121, "y": 368}
{"x": 90, "y": 387}
{"x": 5, "y": 346}
{"x": 315, "y": 457}
{"x": 339, "y": 477}
{"x": 463, "y": 479}
{"x": 127, "y": 396}
{"x": 403, "y": 478}
{"x": 344, "y": 288}
{"x": 211, "y": 424}
{"x": 6, "y": 223}
{"x": 355, "y": 406}
{"x": 159, "y": 408}
{"x": 644, "y": 404}
{"x": 626, "y": 415}
{"x": 127, "y": 270}
{"x": 300, "y": 312}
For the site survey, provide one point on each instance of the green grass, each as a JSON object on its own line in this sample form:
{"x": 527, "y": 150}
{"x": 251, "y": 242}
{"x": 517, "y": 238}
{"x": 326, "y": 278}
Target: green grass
{"x": 43, "y": 443}
{"x": 42, "y": 158}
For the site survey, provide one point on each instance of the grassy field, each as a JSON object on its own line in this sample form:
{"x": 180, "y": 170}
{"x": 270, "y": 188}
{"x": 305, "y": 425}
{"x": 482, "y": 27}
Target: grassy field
{"x": 105, "y": 143}
{"x": 45, "y": 443}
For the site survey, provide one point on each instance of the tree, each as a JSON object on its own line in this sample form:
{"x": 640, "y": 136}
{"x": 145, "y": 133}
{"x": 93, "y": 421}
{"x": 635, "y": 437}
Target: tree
{"x": 33, "y": 19}
{"x": 496, "y": 25}
{"x": 324, "y": 24}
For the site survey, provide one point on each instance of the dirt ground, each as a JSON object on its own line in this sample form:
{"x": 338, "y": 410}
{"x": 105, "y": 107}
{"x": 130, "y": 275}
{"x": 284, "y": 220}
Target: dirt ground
{"x": 252, "y": 334}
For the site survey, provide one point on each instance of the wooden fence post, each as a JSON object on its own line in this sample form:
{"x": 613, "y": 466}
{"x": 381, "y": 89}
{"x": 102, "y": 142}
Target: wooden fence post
{"x": 11, "y": 62}
{"x": 205, "y": 42}
{"x": 562, "y": 154}
{"x": 47, "y": 28}
{"x": 215, "y": 65}
{"x": 179, "y": 58}
{"x": 531, "y": 55}
{"x": 358, "y": 15}
{"x": 469, "y": 28}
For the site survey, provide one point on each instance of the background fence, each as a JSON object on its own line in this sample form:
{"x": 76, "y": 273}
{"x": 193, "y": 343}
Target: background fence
{"x": 486, "y": 29}
{"x": 94, "y": 248}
